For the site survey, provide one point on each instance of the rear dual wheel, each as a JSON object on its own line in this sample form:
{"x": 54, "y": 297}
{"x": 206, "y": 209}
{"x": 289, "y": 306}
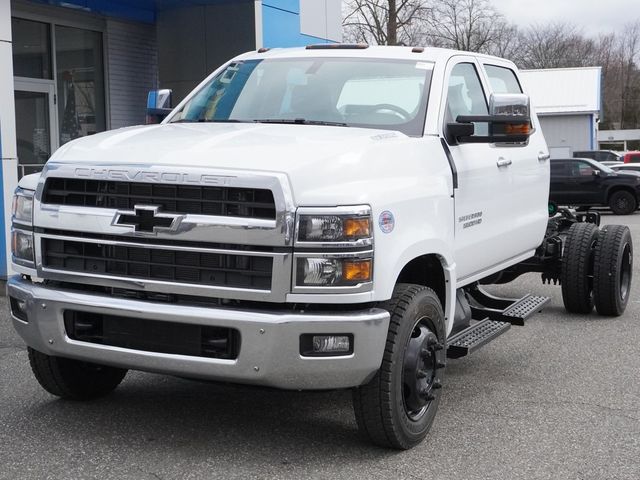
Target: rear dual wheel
{"x": 597, "y": 267}
{"x": 577, "y": 267}
{"x": 613, "y": 269}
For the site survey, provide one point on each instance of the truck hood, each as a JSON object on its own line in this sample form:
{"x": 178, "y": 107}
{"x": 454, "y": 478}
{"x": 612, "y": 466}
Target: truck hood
{"x": 313, "y": 157}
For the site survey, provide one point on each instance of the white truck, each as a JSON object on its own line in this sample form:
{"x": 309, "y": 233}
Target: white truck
{"x": 311, "y": 218}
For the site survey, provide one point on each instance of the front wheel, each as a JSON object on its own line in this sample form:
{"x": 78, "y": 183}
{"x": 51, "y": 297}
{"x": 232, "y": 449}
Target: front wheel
{"x": 73, "y": 379}
{"x": 397, "y": 407}
{"x": 623, "y": 202}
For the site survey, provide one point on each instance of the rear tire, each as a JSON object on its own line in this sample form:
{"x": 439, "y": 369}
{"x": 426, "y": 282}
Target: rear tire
{"x": 613, "y": 269}
{"x": 577, "y": 268}
{"x": 397, "y": 407}
{"x": 73, "y": 379}
{"x": 622, "y": 202}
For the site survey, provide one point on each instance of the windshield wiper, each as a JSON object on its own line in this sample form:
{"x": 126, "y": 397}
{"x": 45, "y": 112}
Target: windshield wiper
{"x": 205, "y": 120}
{"x": 301, "y": 121}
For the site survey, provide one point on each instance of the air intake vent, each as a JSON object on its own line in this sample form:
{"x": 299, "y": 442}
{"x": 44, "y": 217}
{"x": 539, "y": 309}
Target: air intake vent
{"x": 152, "y": 335}
{"x": 181, "y": 199}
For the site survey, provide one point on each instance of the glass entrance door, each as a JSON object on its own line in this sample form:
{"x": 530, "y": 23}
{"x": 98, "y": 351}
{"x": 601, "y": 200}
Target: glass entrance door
{"x": 36, "y": 124}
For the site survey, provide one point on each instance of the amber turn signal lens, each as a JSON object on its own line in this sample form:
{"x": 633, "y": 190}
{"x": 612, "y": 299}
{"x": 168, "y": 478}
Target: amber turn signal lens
{"x": 517, "y": 129}
{"x": 357, "y": 228}
{"x": 356, "y": 270}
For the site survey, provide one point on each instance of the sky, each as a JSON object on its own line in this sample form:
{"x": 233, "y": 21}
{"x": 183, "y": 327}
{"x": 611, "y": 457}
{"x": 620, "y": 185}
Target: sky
{"x": 592, "y": 16}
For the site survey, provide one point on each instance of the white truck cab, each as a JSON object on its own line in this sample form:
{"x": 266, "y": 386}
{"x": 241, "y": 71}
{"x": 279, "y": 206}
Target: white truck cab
{"x": 305, "y": 219}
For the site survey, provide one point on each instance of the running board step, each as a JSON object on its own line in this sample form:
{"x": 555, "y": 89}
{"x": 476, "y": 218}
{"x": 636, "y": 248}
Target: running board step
{"x": 472, "y": 338}
{"x": 511, "y": 310}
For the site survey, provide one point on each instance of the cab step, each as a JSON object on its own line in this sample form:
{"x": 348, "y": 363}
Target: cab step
{"x": 475, "y": 336}
{"x": 512, "y": 310}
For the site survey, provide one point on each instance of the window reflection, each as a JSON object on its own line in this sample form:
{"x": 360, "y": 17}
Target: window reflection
{"x": 80, "y": 79}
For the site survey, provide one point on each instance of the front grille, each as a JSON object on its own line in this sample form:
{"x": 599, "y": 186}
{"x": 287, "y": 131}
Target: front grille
{"x": 180, "y": 199}
{"x": 152, "y": 335}
{"x": 202, "y": 268}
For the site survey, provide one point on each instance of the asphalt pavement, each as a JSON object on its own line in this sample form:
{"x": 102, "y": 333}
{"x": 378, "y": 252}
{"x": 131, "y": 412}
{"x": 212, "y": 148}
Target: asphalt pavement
{"x": 556, "y": 399}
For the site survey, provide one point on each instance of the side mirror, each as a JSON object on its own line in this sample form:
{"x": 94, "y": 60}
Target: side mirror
{"x": 158, "y": 105}
{"x": 509, "y": 121}
{"x": 596, "y": 173}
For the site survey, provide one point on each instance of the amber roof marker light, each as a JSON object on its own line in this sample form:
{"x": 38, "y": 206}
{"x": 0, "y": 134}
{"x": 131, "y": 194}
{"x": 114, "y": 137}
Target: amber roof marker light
{"x": 338, "y": 46}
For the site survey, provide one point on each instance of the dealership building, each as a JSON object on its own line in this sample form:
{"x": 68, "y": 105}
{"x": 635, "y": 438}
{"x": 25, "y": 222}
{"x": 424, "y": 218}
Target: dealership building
{"x": 70, "y": 68}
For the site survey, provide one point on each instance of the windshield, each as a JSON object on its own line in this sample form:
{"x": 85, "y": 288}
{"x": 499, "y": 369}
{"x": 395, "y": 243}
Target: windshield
{"x": 370, "y": 93}
{"x": 602, "y": 167}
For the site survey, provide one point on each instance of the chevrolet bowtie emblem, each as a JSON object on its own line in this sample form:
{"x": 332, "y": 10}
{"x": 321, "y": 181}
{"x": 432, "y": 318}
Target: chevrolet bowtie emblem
{"x": 147, "y": 219}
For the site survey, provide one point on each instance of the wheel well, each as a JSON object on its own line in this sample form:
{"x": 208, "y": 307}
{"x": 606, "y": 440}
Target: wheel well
{"x": 426, "y": 270}
{"x": 613, "y": 190}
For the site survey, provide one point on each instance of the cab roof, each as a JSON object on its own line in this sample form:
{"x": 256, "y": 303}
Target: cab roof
{"x": 425, "y": 54}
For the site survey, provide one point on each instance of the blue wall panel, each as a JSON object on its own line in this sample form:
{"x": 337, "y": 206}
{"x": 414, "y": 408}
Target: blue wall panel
{"x": 287, "y": 5}
{"x": 143, "y": 10}
{"x": 281, "y": 28}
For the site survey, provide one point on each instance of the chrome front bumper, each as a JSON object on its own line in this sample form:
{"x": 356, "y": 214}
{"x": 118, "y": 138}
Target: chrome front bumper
{"x": 270, "y": 340}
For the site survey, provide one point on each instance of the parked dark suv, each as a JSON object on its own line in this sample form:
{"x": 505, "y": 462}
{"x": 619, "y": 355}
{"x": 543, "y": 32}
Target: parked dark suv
{"x": 581, "y": 182}
{"x": 599, "y": 155}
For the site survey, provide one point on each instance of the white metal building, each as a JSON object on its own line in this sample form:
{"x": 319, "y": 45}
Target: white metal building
{"x": 568, "y": 103}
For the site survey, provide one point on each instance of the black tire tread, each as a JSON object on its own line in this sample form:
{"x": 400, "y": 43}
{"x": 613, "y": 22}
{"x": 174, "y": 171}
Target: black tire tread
{"x": 576, "y": 264}
{"x": 632, "y": 202}
{"x": 58, "y": 376}
{"x": 372, "y": 402}
{"x": 606, "y": 269}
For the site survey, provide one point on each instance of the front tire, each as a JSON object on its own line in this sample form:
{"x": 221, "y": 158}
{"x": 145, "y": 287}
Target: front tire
{"x": 397, "y": 407}
{"x": 73, "y": 379}
{"x": 613, "y": 269}
{"x": 623, "y": 202}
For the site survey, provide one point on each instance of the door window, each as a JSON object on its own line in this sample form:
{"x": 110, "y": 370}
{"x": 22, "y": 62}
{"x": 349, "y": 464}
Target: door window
{"x": 33, "y": 131}
{"x": 465, "y": 96}
{"x": 502, "y": 80}
{"x": 582, "y": 169}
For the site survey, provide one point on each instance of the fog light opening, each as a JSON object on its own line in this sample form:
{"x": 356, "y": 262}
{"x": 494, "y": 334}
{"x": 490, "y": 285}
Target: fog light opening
{"x": 326, "y": 345}
{"x": 19, "y": 309}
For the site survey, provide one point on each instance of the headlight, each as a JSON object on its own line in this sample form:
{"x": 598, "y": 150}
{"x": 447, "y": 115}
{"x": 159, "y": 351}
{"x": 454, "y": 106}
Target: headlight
{"x": 23, "y": 206}
{"x": 352, "y": 226}
{"x": 333, "y": 272}
{"x": 22, "y": 246}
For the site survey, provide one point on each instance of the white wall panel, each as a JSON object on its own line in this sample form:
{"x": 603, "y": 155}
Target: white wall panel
{"x": 5, "y": 21}
{"x": 321, "y": 19}
{"x": 334, "y": 20}
{"x": 567, "y": 131}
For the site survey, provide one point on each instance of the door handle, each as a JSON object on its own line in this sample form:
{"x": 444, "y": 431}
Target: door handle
{"x": 543, "y": 157}
{"x": 503, "y": 162}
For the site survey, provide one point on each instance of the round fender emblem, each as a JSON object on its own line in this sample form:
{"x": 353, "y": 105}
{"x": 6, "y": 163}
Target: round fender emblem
{"x": 386, "y": 222}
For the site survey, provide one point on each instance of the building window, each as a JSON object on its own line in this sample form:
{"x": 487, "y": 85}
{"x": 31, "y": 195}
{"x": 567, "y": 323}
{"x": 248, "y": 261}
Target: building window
{"x": 31, "y": 49}
{"x": 80, "y": 82}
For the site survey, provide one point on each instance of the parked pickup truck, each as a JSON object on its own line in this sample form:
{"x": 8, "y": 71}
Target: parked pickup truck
{"x": 311, "y": 218}
{"x": 585, "y": 183}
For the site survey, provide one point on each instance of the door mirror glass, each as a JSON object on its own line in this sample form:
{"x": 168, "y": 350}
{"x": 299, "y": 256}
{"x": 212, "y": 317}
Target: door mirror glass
{"x": 158, "y": 105}
{"x": 510, "y": 104}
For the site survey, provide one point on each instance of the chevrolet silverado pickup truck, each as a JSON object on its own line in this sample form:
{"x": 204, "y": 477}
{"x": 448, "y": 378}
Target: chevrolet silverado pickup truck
{"x": 312, "y": 218}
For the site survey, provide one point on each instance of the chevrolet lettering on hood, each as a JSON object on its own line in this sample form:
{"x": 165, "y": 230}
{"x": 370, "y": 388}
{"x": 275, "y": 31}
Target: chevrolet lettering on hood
{"x": 151, "y": 176}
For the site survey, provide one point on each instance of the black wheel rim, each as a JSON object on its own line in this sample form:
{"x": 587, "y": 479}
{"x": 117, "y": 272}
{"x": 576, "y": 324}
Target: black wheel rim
{"x": 625, "y": 272}
{"x": 420, "y": 368}
{"x": 622, "y": 204}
